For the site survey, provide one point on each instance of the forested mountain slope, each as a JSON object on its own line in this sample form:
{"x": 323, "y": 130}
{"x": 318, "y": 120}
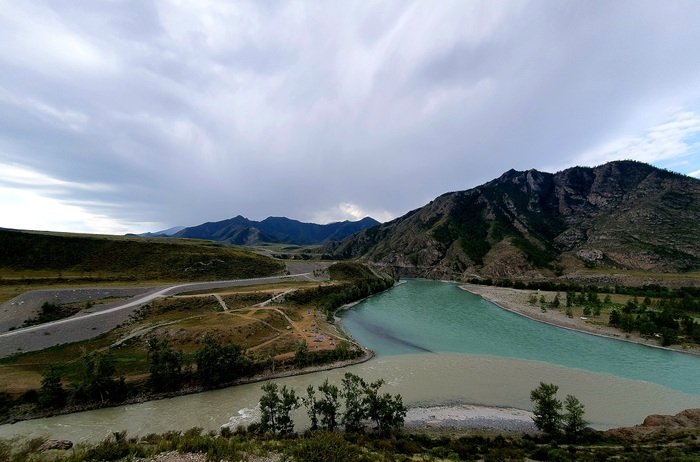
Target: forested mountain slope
{"x": 241, "y": 231}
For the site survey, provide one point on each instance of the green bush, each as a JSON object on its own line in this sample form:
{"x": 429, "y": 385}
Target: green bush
{"x": 326, "y": 447}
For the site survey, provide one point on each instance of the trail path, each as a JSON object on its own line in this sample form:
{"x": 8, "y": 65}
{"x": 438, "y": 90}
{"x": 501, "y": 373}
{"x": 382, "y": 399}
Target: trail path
{"x": 103, "y": 318}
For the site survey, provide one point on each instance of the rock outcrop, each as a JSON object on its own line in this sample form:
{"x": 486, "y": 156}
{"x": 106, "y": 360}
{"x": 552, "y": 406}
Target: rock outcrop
{"x": 687, "y": 421}
{"x": 55, "y": 444}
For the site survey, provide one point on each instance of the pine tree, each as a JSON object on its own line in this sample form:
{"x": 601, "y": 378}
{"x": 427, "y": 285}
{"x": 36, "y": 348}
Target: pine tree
{"x": 573, "y": 418}
{"x": 547, "y": 408}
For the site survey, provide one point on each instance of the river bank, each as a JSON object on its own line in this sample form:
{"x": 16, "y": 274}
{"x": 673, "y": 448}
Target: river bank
{"x": 517, "y": 301}
{"x": 366, "y": 356}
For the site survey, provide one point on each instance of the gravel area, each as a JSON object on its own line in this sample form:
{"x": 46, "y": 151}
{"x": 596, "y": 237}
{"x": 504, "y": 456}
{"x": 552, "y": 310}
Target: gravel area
{"x": 470, "y": 417}
{"x": 14, "y": 312}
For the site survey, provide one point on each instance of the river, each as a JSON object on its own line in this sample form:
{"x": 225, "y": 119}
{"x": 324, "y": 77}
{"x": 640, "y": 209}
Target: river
{"x": 437, "y": 345}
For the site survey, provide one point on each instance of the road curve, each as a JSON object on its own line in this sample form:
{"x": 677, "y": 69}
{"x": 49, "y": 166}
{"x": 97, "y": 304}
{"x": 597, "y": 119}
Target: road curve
{"x": 100, "y": 319}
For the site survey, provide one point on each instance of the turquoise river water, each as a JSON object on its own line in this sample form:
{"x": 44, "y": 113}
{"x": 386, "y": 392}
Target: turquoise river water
{"x": 438, "y": 345}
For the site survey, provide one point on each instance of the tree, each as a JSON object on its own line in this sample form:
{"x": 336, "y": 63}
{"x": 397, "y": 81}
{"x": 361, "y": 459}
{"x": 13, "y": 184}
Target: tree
{"x": 342, "y": 350}
{"x": 547, "y": 408}
{"x": 166, "y": 365}
{"x": 556, "y": 303}
{"x": 363, "y": 401}
{"x": 98, "y": 381}
{"x": 217, "y": 364}
{"x": 276, "y": 406}
{"x": 329, "y": 405}
{"x": 573, "y": 418}
{"x": 273, "y": 355}
{"x": 51, "y": 393}
{"x": 668, "y": 336}
{"x": 570, "y": 297}
{"x": 301, "y": 356}
{"x": 353, "y": 387}
{"x": 614, "y": 318}
{"x": 387, "y": 411}
{"x": 288, "y": 403}
{"x": 269, "y": 404}
{"x": 311, "y": 405}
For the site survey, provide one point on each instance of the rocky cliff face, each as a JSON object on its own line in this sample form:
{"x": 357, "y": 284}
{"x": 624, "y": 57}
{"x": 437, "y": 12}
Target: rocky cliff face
{"x": 625, "y": 215}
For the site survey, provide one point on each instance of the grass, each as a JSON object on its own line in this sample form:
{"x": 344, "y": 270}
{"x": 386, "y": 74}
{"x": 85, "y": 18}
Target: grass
{"x": 319, "y": 446}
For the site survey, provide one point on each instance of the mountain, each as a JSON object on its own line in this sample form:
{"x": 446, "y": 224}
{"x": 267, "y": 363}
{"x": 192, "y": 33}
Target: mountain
{"x": 621, "y": 215}
{"x": 165, "y": 233}
{"x": 241, "y": 231}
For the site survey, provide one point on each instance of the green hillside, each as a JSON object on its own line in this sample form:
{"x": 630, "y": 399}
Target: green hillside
{"x": 36, "y": 255}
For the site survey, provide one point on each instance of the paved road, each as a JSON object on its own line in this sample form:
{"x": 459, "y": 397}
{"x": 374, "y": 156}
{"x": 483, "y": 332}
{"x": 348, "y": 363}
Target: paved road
{"x": 100, "y": 319}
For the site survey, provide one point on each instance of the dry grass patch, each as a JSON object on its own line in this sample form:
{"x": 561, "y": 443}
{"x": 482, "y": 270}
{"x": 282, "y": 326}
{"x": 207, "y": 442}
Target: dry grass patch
{"x": 16, "y": 380}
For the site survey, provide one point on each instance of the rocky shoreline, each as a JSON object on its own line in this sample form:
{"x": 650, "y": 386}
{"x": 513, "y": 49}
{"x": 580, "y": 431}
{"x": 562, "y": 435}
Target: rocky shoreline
{"x": 461, "y": 418}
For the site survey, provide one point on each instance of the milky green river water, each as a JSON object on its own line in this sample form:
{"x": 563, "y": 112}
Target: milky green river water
{"x": 438, "y": 345}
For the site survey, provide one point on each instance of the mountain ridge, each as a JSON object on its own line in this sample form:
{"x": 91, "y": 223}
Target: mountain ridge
{"x": 242, "y": 231}
{"x": 532, "y": 224}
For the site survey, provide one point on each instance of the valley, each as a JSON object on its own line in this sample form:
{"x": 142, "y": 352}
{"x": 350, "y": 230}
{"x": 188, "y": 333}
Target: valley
{"x": 164, "y": 316}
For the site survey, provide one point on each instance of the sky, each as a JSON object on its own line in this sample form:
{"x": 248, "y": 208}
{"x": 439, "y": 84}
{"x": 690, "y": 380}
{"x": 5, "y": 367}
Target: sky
{"x": 121, "y": 116}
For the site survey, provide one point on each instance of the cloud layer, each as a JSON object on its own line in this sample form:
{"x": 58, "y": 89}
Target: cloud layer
{"x": 134, "y": 116}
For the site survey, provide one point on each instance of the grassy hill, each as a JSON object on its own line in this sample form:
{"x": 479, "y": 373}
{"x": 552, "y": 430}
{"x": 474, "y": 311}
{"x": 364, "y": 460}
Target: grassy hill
{"x": 41, "y": 256}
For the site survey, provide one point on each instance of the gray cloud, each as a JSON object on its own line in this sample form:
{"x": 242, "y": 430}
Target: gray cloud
{"x": 183, "y": 113}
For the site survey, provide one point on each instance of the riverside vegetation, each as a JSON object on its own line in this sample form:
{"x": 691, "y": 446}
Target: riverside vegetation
{"x": 654, "y": 311}
{"x": 563, "y": 437}
{"x": 189, "y": 344}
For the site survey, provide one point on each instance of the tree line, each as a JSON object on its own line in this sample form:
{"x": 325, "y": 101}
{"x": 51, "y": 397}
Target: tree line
{"x": 688, "y": 296}
{"x": 169, "y": 370}
{"x": 669, "y": 319}
{"x": 329, "y": 407}
{"x": 330, "y": 298}
{"x": 663, "y": 318}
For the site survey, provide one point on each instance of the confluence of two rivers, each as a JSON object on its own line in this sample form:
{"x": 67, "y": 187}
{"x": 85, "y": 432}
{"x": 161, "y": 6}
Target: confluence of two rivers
{"x": 437, "y": 345}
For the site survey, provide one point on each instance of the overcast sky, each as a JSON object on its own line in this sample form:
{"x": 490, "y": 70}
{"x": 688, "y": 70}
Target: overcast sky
{"x": 132, "y": 116}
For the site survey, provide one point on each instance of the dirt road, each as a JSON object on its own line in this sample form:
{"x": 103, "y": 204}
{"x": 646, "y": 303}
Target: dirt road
{"x": 103, "y": 318}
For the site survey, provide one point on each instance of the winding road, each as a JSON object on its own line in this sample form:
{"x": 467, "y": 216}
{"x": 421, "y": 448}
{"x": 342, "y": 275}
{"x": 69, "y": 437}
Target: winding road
{"x": 103, "y": 318}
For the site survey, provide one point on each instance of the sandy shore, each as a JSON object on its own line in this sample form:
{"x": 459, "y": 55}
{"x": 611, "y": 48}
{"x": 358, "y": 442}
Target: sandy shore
{"x": 517, "y": 301}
